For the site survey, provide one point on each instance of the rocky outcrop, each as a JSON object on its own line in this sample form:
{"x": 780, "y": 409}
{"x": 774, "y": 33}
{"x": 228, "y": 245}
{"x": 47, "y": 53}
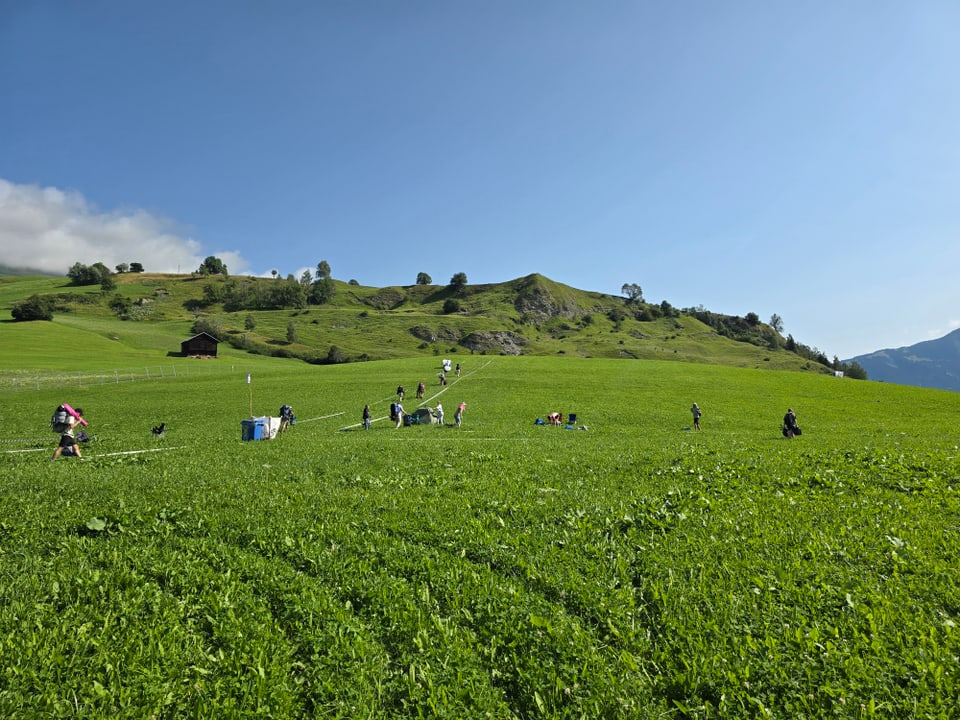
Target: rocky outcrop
{"x": 386, "y": 299}
{"x": 431, "y": 335}
{"x": 497, "y": 341}
{"x": 538, "y": 304}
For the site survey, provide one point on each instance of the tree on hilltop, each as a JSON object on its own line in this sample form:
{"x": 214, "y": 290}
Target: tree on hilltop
{"x": 633, "y": 292}
{"x": 321, "y": 291}
{"x": 458, "y": 282}
{"x": 424, "y": 279}
{"x": 212, "y": 266}
{"x": 80, "y": 274}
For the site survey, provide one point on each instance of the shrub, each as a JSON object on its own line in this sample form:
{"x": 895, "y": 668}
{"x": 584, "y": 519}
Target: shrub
{"x": 451, "y": 305}
{"x": 33, "y": 308}
{"x": 208, "y": 325}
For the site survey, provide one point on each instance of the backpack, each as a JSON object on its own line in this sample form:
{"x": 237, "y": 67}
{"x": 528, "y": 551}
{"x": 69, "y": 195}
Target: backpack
{"x": 60, "y": 422}
{"x": 393, "y": 411}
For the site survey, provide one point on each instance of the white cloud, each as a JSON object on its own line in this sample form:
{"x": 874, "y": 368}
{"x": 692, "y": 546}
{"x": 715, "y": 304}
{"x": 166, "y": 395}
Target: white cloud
{"x": 49, "y": 229}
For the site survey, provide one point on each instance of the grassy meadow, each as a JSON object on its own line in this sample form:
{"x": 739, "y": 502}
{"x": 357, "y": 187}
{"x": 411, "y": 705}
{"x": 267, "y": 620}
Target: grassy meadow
{"x": 636, "y": 568}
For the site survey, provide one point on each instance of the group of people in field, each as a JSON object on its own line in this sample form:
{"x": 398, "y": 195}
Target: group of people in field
{"x": 397, "y": 412}
{"x": 790, "y": 429}
{"x": 68, "y": 444}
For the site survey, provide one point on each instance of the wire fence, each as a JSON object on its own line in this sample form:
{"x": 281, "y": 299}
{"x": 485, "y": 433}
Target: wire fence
{"x": 33, "y": 380}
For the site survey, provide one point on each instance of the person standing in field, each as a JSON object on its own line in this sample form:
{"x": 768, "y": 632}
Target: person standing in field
{"x": 421, "y": 389}
{"x": 286, "y": 417}
{"x": 458, "y": 415}
{"x": 400, "y": 393}
{"x": 399, "y": 415}
{"x": 439, "y": 413}
{"x": 68, "y": 438}
{"x": 458, "y": 370}
{"x": 366, "y": 417}
{"x": 790, "y": 427}
{"x": 696, "y": 416}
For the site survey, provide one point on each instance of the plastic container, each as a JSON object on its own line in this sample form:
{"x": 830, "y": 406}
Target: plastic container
{"x": 254, "y": 429}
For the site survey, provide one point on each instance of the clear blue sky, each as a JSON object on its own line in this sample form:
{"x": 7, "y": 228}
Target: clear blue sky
{"x": 772, "y": 157}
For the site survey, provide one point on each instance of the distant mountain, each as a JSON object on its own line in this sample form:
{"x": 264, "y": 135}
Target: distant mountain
{"x": 932, "y": 364}
{"x": 23, "y": 272}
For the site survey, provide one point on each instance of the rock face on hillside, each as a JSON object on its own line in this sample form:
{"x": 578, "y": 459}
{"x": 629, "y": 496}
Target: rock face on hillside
{"x": 386, "y": 299}
{"x": 500, "y": 342}
{"x": 538, "y": 304}
{"x": 431, "y": 335}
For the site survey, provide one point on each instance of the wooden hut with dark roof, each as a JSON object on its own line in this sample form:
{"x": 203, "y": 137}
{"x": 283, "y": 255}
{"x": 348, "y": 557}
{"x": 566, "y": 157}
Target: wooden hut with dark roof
{"x": 202, "y": 345}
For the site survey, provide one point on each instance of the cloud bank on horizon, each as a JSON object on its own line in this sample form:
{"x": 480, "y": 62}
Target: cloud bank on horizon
{"x": 47, "y": 229}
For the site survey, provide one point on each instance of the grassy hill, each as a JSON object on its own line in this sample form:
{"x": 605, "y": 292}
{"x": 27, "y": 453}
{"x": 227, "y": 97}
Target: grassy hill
{"x": 529, "y": 316}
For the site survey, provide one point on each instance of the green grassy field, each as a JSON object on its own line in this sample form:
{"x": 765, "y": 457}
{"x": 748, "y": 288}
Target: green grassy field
{"x": 504, "y": 569}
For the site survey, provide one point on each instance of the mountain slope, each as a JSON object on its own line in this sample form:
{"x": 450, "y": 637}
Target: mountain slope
{"x": 932, "y": 363}
{"x": 532, "y": 315}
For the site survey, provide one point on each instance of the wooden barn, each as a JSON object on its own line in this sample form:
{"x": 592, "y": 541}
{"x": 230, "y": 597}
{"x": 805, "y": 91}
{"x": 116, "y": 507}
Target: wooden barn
{"x": 202, "y": 345}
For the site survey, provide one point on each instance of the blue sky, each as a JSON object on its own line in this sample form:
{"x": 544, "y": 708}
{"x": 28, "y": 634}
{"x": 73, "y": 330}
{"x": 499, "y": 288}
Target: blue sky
{"x": 801, "y": 159}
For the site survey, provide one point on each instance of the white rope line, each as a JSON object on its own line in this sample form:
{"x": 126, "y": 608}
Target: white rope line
{"x": 137, "y": 452}
{"x": 125, "y": 452}
{"x": 322, "y": 417}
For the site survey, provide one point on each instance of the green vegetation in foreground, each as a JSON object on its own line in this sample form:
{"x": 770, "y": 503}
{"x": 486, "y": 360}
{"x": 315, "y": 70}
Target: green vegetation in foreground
{"x": 636, "y": 569}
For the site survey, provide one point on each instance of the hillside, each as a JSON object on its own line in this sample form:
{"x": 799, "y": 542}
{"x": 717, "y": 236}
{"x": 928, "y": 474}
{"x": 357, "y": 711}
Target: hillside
{"x": 932, "y": 364}
{"x": 533, "y": 315}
